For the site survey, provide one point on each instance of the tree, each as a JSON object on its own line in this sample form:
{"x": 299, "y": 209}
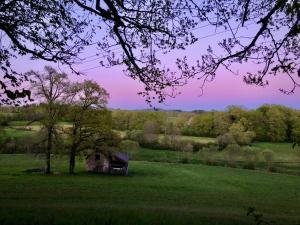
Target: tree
{"x": 50, "y": 87}
{"x": 151, "y": 132}
{"x": 171, "y": 131}
{"x": 56, "y": 31}
{"x": 277, "y": 127}
{"x": 225, "y": 140}
{"x": 142, "y": 29}
{"x": 122, "y": 119}
{"x": 202, "y": 124}
{"x": 273, "y": 48}
{"x": 241, "y": 135}
{"x": 85, "y": 98}
{"x": 130, "y": 147}
{"x": 53, "y": 31}
{"x": 258, "y": 124}
{"x": 221, "y": 123}
{"x": 296, "y": 131}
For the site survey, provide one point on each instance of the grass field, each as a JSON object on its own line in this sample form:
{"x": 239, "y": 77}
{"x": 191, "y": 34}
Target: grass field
{"x": 25, "y": 128}
{"x": 153, "y": 193}
{"x": 286, "y": 159}
{"x": 181, "y": 137}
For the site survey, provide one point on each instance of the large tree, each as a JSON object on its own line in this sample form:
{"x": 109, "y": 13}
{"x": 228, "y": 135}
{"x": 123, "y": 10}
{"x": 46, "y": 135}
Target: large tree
{"x": 50, "y": 87}
{"x": 55, "y": 31}
{"x": 49, "y": 30}
{"x": 273, "y": 48}
{"x": 86, "y": 99}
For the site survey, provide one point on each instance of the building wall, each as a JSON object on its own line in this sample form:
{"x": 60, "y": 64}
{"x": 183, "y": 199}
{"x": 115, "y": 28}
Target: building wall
{"x": 101, "y": 165}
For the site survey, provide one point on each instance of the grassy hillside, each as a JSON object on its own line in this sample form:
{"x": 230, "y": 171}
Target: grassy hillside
{"x": 153, "y": 193}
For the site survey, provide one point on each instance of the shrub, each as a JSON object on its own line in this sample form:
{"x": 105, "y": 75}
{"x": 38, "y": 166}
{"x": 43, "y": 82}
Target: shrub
{"x": 165, "y": 142}
{"x": 198, "y": 146}
{"x": 208, "y": 156}
{"x": 268, "y": 155}
{"x": 225, "y": 140}
{"x": 246, "y": 138}
{"x": 131, "y": 147}
{"x": 184, "y": 160}
{"x": 24, "y": 144}
{"x": 187, "y": 150}
{"x": 3, "y": 120}
{"x": 251, "y": 158}
{"x": 232, "y": 151}
{"x": 135, "y": 135}
{"x": 269, "y": 158}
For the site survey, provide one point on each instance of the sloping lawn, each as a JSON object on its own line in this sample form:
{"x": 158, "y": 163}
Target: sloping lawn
{"x": 153, "y": 193}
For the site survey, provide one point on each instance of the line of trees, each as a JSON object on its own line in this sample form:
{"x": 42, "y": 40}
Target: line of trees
{"x": 273, "y": 123}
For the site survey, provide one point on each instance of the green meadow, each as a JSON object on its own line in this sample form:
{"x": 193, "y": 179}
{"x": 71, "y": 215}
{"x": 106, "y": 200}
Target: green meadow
{"x": 153, "y": 193}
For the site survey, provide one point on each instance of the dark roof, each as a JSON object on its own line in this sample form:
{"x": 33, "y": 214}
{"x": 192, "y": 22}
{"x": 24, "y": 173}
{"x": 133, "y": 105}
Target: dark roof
{"x": 121, "y": 156}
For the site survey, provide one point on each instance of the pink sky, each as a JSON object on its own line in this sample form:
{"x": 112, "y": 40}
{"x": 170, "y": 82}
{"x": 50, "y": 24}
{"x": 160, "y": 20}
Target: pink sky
{"x": 226, "y": 89}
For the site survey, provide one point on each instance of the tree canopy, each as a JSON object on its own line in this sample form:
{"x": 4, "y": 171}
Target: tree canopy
{"x": 49, "y": 30}
{"x": 57, "y": 31}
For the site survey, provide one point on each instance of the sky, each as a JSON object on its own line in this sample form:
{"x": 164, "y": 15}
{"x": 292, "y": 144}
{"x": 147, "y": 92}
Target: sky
{"x": 227, "y": 88}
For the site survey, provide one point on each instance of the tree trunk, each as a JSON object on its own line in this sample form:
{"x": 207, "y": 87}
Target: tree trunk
{"x": 73, "y": 151}
{"x": 72, "y": 159}
{"x": 48, "y": 151}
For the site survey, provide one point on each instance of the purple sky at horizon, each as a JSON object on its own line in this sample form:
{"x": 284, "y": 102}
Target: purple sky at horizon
{"x": 227, "y": 89}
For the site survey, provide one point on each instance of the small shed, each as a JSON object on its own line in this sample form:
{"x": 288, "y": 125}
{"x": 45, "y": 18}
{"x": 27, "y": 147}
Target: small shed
{"x": 110, "y": 163}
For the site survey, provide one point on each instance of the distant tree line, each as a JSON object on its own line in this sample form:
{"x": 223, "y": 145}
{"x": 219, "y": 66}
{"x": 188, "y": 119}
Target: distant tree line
{"x": 273, "y": 123}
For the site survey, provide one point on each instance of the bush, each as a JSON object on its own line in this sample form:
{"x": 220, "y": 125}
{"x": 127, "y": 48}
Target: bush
{"x": 251, "y": 158}
{"x": 184, "y": 160}
{"x": 268, "y": 155}
{"x": 131, "y": 147}
{"x": 5, "y": 119}
{"x": 24, "y": 144}
{"x": 208, "y": 156}
{"x": 247, "y": 138}
{"x": 232, "y": 151}
{"x": 198, "y": 146}
{"x": 269, "y": 158}
{"x": 165, "y": 142}
{"x": 225, "y": 140}
{"x": 135, "y": 135}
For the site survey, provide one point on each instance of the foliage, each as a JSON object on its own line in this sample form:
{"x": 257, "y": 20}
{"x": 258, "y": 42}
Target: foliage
{"x": 51, "y": 88}
{"x": 224, "y": 140}
{"x": 268, "y": 155}
{"x": 89, "y": 124}
{"x": 240, "y": 135}
{"x": 272, "y": 51}
{"x": 4, "y": 119}
{"x": 296, "y": 131}
{"x": 269, "y": 158}
{"x": 251, "y": 158}
{"x": 130, "y": 147}
{"x": 135, "y": 135}
{"x": 208, "y": 156}
{"x": 48, "y": 30}
{"x": 24, "y": 144}
{"x": 151, "y": 132}
{"x": 276, "y": 124}
{"x": 58, "y": 31}
{"x": 232, "y": 151}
